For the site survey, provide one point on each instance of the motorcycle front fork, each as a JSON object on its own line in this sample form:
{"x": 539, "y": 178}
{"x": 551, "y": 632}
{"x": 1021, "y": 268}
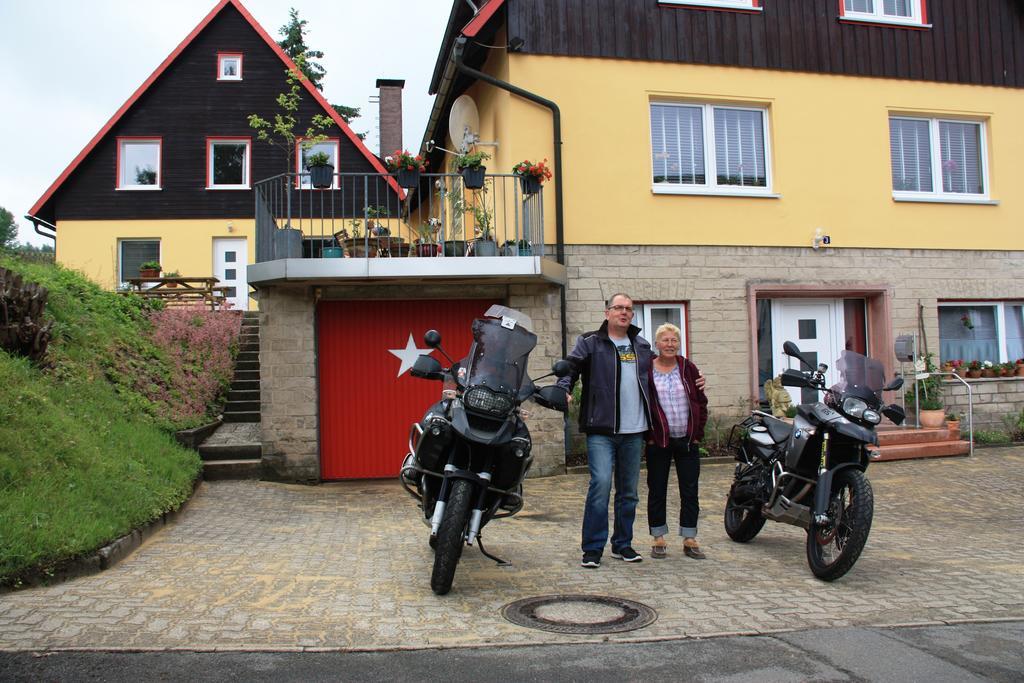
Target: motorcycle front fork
{"x": 476, "y": 517}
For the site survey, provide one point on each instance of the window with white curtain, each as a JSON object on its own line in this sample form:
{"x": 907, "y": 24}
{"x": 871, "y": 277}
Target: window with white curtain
{"x": 992, "y": 331}
{"x": 888, "y": 11}
{"x": 705, "y": 148}
{"x": 937, "y": 158}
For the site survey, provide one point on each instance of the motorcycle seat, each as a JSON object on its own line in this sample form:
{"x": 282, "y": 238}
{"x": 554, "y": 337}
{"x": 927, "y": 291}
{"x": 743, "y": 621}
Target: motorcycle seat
{"x": 779, "y": 430}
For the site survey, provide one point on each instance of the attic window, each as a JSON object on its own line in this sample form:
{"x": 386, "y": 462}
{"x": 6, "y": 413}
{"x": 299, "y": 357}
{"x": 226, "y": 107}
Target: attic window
{"x": 229, "y": 66}
{"x": 748, "y": 5}
{"x": 138, "y": 163}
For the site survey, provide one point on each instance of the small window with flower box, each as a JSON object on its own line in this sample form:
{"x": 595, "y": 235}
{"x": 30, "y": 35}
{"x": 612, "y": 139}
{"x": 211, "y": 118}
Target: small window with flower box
{"x": 229, "y": 66}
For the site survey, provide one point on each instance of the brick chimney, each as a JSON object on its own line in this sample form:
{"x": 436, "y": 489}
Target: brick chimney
{"x": 390, "y": 114}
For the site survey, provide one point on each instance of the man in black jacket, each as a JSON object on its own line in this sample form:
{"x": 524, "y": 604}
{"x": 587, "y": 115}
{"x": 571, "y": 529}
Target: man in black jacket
{"x": 615, "y": 362}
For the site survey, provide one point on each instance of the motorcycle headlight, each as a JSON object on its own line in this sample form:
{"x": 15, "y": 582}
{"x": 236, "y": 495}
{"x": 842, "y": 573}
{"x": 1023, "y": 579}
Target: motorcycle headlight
{"x": 854, "y": 407}
{"x": 482, "y": 399}
{"x": 872, "y": 417}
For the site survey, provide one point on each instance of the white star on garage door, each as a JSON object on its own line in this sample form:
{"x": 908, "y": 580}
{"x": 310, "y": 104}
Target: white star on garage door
{"x": 408, "y": 355}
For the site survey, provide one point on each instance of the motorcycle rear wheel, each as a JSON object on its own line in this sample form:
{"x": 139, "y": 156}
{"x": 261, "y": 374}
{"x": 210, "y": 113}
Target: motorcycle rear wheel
{"x": 832, "y": 550}
{"x": 451, "y": 536}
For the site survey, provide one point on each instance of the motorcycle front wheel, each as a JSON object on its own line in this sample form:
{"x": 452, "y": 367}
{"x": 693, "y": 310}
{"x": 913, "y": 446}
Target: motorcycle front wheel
{"x": 451, "y": 536}
{"x": 833, "y": 549}
{"x": 743, "y": 521}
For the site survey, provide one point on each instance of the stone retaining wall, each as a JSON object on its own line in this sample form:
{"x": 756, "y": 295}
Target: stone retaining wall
{"x": 994, "y": 399}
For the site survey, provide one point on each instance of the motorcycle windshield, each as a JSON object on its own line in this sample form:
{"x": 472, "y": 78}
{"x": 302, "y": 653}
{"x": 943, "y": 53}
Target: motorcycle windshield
{"x": 858, "y": 370}
{"x": 499, "y": 354}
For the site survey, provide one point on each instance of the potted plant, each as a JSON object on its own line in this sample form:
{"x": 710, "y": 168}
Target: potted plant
{"x": 974, "y": 369}
{"x": 406, "y": 167}
{"x": 321, "y": 171}
{"x": 453, "y": 242}
{"x": 1020, "y": 367}
{"x": 335, "y": 249}
{"x": 1007, "y": 369}
{"x": 426, "y": 238}
{"x": 470, "y": 165}
{"x": 172, "y": 273}
{"x": 149, "y": 269}
{"x": 483, "y": 228}
{"x": 959, "y": 367}
{"x": 517, "y": 248}
{"x": 953, "y": 425}
{"x": 531, "y": 175}
{"x": 355, "y": 245}
{"x": 928, "y": 395}
{"x": 986, "y": 369}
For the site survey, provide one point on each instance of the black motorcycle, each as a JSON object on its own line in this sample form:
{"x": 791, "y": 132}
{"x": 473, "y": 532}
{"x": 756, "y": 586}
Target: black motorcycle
{"x": 469, "y": 454}
{"x": 811, "y": 473}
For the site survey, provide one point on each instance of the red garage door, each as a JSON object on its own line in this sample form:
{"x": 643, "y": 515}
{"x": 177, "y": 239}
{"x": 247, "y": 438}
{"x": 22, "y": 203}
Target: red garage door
{"x": 368, "y": 399}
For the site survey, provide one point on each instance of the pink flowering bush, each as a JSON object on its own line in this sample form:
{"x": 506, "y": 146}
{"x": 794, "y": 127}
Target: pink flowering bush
{"x": 199, "y": 346}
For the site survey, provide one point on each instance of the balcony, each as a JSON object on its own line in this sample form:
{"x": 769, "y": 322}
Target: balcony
{"x": 364, "y": 227}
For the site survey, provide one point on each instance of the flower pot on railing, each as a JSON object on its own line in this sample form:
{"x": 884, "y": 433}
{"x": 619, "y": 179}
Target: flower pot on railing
{"x": 485, "y": 248}
{"x": 473, "y": 177}
{"x": 408, "y": 179}
{"x": 333, "y": 252}
{"x": 356, "y": 247}
{"x": 530, "y": 184}
{"x": 321, "y": 177}
{"x": 455, "y": 248}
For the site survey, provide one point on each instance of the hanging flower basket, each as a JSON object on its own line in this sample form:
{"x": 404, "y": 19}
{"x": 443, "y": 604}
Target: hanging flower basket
{"x": 408, "y": 179}
{"x": 473, "y": 177}
{"x": 406, "y": 167}
{"x": 530, "y": 184}
{"x": 531, "y": 175}
{"x": 321, "y": 177}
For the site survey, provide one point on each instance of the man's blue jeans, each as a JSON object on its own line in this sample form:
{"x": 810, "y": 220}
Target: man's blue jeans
{"x": 609, "y": 456}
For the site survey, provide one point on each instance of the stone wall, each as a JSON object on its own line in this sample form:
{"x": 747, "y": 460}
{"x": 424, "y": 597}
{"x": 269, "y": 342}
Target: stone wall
{"x": 994, "y": 399}
{"x": 288, "y": 399}
{"x": 714, "y": 282}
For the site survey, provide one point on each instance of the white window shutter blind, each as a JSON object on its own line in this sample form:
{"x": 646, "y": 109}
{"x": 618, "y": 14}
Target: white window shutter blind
{"x": 677, "y": 144}
{"x": 960, "y": 157}
{"x": 739, "y": 148}
{"x": 910, "y": 155}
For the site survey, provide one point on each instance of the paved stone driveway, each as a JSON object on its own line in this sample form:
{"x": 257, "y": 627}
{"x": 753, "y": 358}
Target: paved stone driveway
{"x": 261, "y": 566}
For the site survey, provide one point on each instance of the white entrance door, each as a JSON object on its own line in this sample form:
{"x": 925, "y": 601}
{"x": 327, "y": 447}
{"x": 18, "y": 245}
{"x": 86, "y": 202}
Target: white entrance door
{"x": 817, "y": 327}
{"x": 229, "y": 261}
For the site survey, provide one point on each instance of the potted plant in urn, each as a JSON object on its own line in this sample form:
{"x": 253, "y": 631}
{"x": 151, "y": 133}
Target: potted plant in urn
{"x": 928, "y": 396}
{"x": 470, "y": 165}
{"x": 426, "y": 238}
{"x": 484, "y": 244}
{"x": 406, "y": 167}
{"x": 531, "y": 175}
{"x": 321, "y": 172}
{"x": 149, "y": 269}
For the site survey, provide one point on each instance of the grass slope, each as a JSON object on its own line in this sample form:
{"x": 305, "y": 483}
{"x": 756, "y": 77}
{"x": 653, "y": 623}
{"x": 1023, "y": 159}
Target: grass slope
{"x": 84, "y": 457}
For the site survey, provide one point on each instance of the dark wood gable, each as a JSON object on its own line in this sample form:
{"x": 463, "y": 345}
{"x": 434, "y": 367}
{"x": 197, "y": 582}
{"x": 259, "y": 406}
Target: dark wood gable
{"x": 185, "y": 105}
{"x": 970, "y": 41}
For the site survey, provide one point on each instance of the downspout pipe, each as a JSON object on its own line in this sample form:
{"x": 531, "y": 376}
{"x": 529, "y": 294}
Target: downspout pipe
{"x": 36, "y": 222}
{"x": 556, "y": 124}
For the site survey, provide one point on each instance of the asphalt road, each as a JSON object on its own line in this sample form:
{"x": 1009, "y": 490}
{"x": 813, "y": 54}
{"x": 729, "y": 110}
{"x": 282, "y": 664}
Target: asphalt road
{"x": 958, "y": 653}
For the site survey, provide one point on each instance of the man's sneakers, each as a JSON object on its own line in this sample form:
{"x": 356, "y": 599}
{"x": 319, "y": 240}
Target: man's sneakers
{"x": 591, "y": 559}
{"x": 627, "y": 554}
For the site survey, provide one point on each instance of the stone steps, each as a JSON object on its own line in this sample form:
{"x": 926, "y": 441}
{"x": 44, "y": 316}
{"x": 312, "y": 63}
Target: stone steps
{"x": 906, "y": 443}
{"x": 214, "y": 470}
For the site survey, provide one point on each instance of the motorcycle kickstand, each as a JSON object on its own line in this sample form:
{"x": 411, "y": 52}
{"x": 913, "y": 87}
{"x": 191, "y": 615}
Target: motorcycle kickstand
{"x": 501, "y": 562}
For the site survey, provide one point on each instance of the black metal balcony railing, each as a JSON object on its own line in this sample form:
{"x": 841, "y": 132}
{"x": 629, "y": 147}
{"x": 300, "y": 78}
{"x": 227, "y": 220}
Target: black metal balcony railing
{"x": 363, "y": 216}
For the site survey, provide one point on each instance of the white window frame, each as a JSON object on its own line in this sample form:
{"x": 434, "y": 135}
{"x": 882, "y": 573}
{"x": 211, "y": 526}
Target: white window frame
{"x": 711, "y": 186}
{"x": 222, "y": 58}
{"x": 1000, "y": 307}
{"x": 878, "y": 16}
{"x": 122, "y": 279}
{"x": 302, "y": 177}
{"x": 121, "y": 181}
{"x": 643, "y": 311}
{"x": 752, "y": 5}
{"x": 938, "y": 194}
{"x": 246, "y": 164}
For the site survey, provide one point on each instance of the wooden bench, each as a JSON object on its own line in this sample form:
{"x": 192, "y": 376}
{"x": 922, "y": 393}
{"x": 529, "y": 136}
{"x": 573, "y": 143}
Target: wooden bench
{"x": 181, "y": 291}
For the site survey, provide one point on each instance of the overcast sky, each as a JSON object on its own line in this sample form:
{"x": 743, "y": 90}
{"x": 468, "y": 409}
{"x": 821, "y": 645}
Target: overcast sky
{"x": 67, "y": 65}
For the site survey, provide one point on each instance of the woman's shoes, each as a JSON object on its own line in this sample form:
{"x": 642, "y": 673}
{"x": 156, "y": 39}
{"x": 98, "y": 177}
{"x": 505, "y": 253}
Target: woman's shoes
{"x": 659, "y": 550}
{"x": 692, "y": 549}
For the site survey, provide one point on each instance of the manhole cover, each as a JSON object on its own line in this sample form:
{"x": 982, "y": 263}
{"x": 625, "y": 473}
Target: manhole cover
{"x": 585, "y": 614}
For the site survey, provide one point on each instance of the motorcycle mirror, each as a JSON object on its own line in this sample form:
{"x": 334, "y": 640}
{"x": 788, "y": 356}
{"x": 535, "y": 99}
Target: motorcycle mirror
{"x": 793, "y": 378}
{"x": 893, "y": 385}
{"x": 553, "y": 397}
{"x": 427, "y": 367}
{"x": 894, "y": 413}
{"x": 792, "y": 350}
{"x": 561, "y": 368}
{"x": 432, "y": 338}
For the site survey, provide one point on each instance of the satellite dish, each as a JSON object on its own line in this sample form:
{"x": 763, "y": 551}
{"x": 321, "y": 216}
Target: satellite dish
{"x": 464, "y": 122}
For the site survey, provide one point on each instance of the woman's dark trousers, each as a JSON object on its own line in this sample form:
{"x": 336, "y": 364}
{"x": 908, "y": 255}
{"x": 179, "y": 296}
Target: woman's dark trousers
{"x": 659, "y": 461}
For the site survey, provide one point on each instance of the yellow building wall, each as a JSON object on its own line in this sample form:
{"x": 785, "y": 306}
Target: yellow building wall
{"x": 185, "y": 245}
{"x": 829, "y": 146}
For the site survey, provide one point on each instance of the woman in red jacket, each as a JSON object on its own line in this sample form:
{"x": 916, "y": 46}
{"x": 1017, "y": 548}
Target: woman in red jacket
{"x": 679, "y": 411}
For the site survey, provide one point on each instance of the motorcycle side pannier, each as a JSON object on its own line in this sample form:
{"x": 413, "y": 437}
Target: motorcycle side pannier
{"x": 432, "y": 449}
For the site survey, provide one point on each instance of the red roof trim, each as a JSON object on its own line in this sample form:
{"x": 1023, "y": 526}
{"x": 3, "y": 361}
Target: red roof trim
{"x": 482, "y": 17}
{"x": 374, "y": 161}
